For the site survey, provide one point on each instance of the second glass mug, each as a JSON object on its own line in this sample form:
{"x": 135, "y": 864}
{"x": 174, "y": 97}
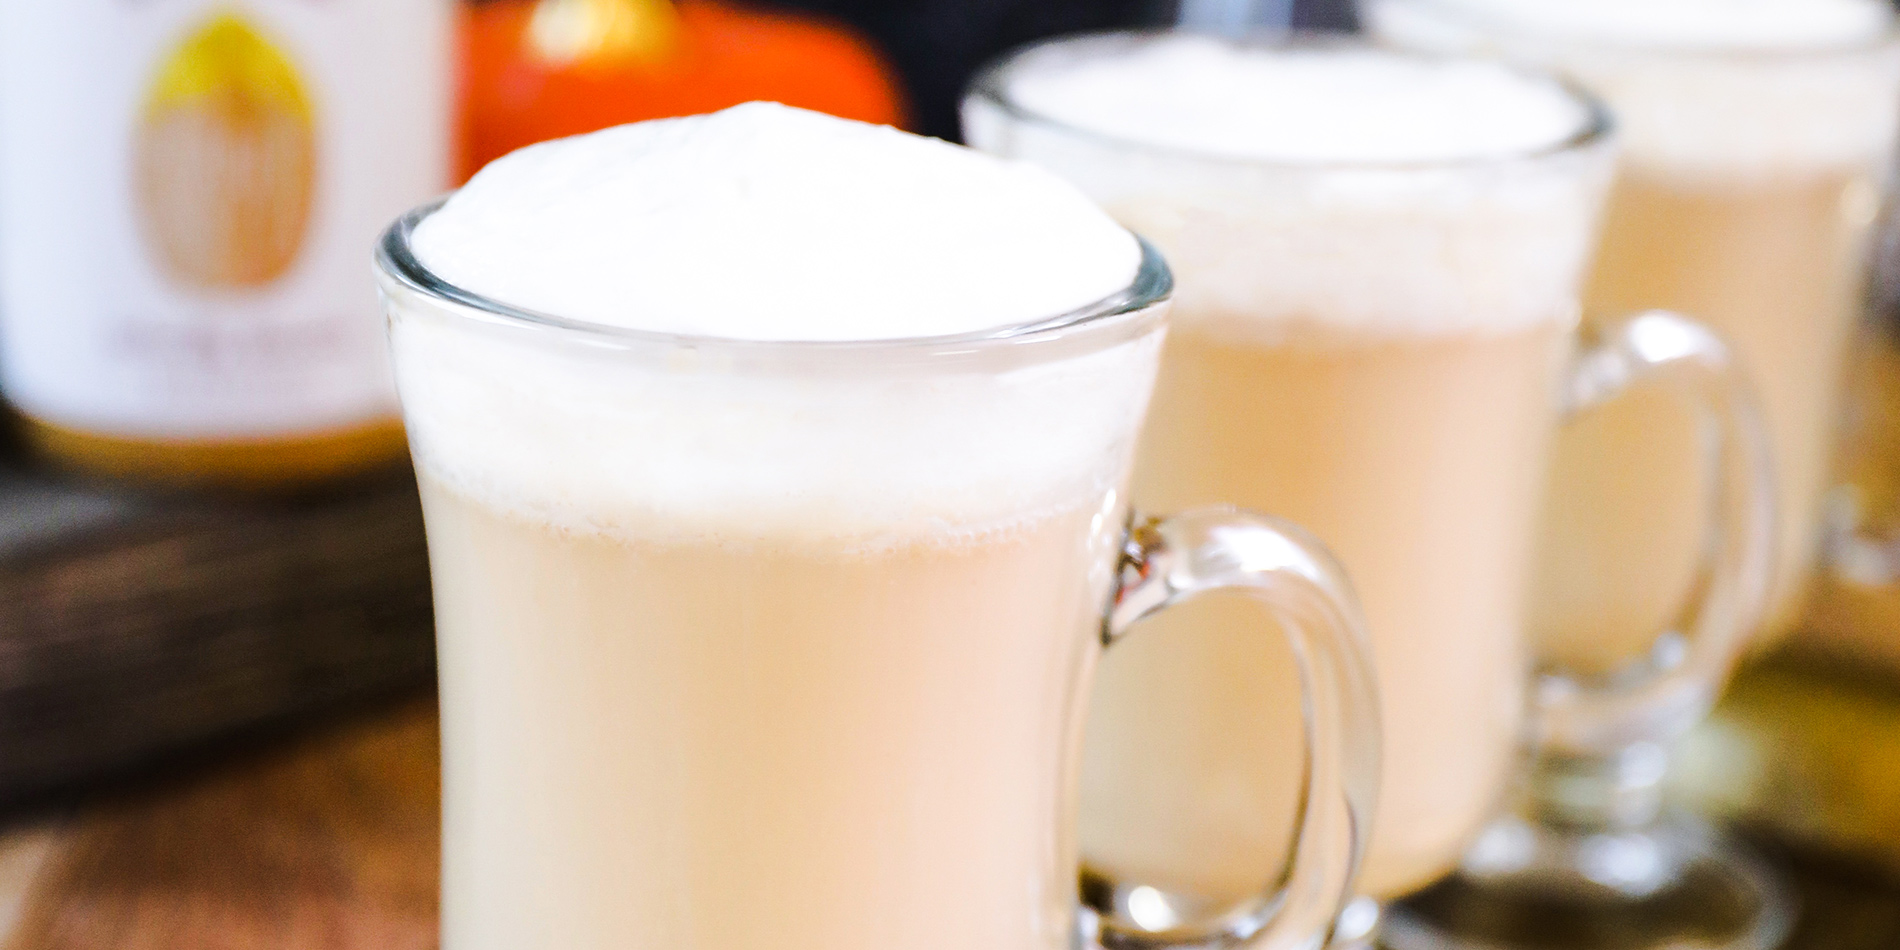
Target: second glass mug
{"x": 779, "y": 645}
{"x": 1415, "y": 435}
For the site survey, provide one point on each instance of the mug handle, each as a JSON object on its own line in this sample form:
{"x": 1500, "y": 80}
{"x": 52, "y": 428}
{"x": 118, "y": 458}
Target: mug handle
{"x": 1685, "y": 672}
{"x": 1278, "y": 563}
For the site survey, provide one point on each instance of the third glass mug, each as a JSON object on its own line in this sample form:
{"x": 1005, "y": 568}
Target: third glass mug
{"x": 784, "y": 646}
{"x": 1379, "y": 352}
{"x": 1746, "y": 194}
{"x": 1755, "y": 136}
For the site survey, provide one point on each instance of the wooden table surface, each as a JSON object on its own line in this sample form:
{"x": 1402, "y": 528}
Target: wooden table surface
{"x": 328, "y": 840}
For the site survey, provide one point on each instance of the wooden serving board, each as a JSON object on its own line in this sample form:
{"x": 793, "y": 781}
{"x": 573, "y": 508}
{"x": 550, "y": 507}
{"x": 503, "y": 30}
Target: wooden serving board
{"x": 330, "y": 842}
{"x": 135, "y": 625}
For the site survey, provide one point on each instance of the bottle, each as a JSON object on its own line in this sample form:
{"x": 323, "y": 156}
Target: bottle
{"x": 190, "y": 191}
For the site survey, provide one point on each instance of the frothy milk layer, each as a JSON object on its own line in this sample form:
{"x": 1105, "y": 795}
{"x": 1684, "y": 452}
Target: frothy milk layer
{"x": 1318, "y": 201}
{"x": 765, "y": 222}
{"x": 1206, "y": 95}
{"x": 1686, "y": 24}
{"x": 688, "y": 444}
{"x": 1709, "y": 89}
{"x": 773, "y": 224}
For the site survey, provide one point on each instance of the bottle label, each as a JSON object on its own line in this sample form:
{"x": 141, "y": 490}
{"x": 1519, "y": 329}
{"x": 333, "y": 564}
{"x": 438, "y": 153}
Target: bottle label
{"x": 190, "y": 194}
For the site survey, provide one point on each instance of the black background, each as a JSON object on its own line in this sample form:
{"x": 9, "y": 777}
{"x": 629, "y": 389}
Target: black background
{"x": 937, "y": 44}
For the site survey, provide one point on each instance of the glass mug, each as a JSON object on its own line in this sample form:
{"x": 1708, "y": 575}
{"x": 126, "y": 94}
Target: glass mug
{"x": 1854, "y": 617}
{"x": 1746, "y": 195}
{"x": 778, "y": 645}
{"x": 1412, "y": 329}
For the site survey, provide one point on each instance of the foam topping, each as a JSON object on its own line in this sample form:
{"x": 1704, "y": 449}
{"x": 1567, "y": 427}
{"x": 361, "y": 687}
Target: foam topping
{"x": 768, "y": 223}
{"x": 765, "y": 222}
{"x": 1372, "y": 215}
{"x": 1207, "y": 95}
{"x": 1710, "y": 24}
{"x": 1705, "y": 91}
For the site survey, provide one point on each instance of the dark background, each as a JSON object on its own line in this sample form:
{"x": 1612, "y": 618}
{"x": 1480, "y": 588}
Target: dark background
{"x": 937, "y": 45}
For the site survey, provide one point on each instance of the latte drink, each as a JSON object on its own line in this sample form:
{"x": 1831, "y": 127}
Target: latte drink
{"x": 763, "y": 638}
{"x": 1379, "y": 259}
{"x": 1755, "y": 135}
{"x": 739, "y": 759}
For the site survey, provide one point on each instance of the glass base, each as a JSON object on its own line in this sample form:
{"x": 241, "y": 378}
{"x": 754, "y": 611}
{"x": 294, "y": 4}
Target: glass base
{"x": 1142, "y": 907}
{"x": 1359, "y": 925}
{"x": 1671, "y": 885}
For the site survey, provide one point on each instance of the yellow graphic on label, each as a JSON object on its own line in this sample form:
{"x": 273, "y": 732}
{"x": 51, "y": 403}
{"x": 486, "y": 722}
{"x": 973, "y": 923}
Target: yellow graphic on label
{"x": 226, "y": 156}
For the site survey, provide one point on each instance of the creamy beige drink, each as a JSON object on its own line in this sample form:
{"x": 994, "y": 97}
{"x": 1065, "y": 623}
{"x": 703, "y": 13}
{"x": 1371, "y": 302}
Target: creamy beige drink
{"x": 831, "y": 739}
{"x": 1378, "y": 260}
{"x": 1755, "y": 135}
{"x": 752, "y": 646}
{"x": 1348, "y": 434}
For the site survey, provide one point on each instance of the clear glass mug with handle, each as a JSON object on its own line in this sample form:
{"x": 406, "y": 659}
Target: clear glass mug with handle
{"x": 1756, "y": 142}
{"x": 768, "y": 645}
{"x": 1411, "y": 326}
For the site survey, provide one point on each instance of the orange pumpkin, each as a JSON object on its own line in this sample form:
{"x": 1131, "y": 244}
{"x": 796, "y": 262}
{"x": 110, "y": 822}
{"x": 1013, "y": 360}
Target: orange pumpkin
{"x": 539, "y": 69}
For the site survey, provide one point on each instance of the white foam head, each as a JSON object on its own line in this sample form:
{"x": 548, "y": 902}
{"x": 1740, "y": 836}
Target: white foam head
{"x": 1201, "y": 94}
{"x": 1685, "y": 24}
{"x": 765, "y": 224}
{"x": 1332, "y": 187}
{"x": 1708, "y": 90}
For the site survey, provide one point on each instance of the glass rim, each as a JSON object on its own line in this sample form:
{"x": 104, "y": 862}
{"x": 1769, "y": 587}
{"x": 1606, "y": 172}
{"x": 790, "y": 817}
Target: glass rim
{"x": 991, "y": 86}
{"x": 1504, "y": 27}
{"x": 1151, "y": 286}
